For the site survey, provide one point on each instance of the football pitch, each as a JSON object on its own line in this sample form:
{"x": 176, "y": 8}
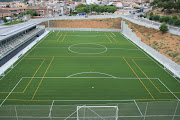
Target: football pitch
{"x": 72, "y": 67}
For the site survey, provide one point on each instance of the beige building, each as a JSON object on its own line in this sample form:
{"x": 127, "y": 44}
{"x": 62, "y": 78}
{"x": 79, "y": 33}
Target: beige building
{"x": 4, "y": 13}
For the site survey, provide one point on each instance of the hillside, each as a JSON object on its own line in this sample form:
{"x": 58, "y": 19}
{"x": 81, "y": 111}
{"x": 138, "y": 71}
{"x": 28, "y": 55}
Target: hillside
{"x": 167, "y": 43}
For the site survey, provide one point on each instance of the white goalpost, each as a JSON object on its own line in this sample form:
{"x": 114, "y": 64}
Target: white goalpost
{"x": 97, "y": 112}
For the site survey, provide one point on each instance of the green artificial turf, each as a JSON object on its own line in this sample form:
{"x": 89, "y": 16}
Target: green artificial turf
{"x": 86, "y": 66}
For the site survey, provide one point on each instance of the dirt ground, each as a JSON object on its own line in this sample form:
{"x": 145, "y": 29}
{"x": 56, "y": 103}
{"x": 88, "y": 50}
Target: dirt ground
{"x": 158, "y": 11}
{"x": 113, "y": 23}
{"x": 167, "y": 44}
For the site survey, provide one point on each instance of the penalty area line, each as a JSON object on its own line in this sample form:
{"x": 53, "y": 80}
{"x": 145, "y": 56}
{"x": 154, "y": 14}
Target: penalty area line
{"x": 10, "y": 92}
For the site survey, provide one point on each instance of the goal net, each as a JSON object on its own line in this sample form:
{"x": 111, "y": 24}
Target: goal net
{"x": 97, "y": 112}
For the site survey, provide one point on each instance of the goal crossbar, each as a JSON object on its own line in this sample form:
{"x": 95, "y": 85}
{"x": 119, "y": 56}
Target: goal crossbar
{"x": 85, "y": 112}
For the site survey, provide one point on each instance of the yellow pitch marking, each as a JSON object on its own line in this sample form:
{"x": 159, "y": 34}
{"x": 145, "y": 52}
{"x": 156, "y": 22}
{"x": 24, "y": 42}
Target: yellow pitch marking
{"x": 138, "y": 78}
{"x": 112, "y": 37}
{"x": 59, "y": 37}
{"x": 108, "y": 38}
{"x": 64, "y": 37}
{"x": 34, "y": 75}
{"x": 42, "y": 78}
{"x": 31, "y": 78}
{"x": 150, "y": 79}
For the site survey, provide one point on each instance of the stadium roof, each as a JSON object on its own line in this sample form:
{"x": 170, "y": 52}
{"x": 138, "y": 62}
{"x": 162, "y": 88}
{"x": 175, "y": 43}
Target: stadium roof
{"x": 8, "y": 31}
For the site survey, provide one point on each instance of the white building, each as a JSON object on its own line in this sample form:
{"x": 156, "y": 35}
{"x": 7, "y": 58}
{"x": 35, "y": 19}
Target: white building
{"x": 92, "y": 1}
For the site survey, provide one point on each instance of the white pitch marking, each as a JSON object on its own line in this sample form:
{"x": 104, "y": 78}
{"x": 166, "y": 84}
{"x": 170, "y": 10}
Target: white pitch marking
{"x": 69, "y": 48}
{"x": 91, "y": 72}
{"x": 57, "y": 33}
{"x": 113, "y": 34}
{"x": 169, "y": 89}
{"x": 10, "y": 92}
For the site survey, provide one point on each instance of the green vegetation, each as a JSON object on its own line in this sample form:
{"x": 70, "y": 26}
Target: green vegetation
{"x": 170, "y": 20}
{"x": 90, "y": 59}
{"x": 32, "y": 12}
{"x": 99, "y": 9}
{"x": 163, "y": 28}
{"x": 167, "y": 4}
{"x": 7, "y": 6}
{"x": 5, "y": 20}
{"x": 141, "y": 15}
{"x": 14, "y": 22}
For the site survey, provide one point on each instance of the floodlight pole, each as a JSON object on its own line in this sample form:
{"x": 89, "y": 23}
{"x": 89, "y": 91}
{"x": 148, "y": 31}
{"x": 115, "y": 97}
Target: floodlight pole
{"x": 122, "y": 21}
{"x": 48, "y": 16}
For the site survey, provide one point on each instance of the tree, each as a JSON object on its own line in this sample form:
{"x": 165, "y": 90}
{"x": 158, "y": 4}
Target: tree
{"x": 5, "y": 20}
{"x": 174, "y": 17}
{"x": 151, "y": 17}
{"x": 177, "y": 22}
{"x": 163, "y": 28}
{"x": 167, "y": 19}
{"x": 160, "y": 4}
{"x": 169, "y": 5}
{"x": 177, "y": 5}
{"x": 156, "y": 17}
{"x": 7, "y": 6}
{"x": 151, "y": 14}
{"x": 32, "y": 12}
{"x": 171, "y": 21}
{"x": 111, "y": 9}
{"x": 161, "y": 19}
{"x": 81, "y": 10}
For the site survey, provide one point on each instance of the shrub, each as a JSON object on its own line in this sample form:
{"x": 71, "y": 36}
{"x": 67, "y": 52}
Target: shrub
{"x": 166, "y": 19}
{"x": 145, "y": 16}
{"x": 174, "y": 17}
{"x": 141, "y": 15}
{"x": 171, "y": 21}
{"x": 163, "y": 28}
{"x": 5, "y": 20}
{"x": 156, "y": 17}
{"x": 151, "y": 14}
{"x": 177, "y": 22}
{"x": 151, "y": 17}
{"x": 161, "y": 19}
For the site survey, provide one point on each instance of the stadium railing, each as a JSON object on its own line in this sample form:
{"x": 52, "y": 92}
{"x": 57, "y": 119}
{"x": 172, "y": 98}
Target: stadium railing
{"x": 85, "y": 29}
{"x": 156, "y": 110}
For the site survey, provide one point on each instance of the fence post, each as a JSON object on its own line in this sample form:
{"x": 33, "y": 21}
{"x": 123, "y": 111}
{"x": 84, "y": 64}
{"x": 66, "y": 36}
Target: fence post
{"x": 16, "y": 112}
{"x": 145, "y": 111}
{"x": 175, "y": 110}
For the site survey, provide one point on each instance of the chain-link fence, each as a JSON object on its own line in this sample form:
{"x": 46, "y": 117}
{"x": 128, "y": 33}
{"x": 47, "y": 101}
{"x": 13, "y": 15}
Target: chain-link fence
{"x": 156, "y": 110}
{"x": 85, "y": 29}
{"x": 152, "y": 24}
{"x": 166, "y": 62}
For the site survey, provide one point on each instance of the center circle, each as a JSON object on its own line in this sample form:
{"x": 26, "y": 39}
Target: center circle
{"x": 87, "y": 48}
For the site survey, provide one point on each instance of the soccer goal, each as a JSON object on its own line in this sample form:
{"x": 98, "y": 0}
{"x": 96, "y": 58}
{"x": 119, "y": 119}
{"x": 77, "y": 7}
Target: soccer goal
{"x": 97, "y": 112}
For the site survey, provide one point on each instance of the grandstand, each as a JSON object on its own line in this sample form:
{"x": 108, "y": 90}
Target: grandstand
{"x": 16, "y": 37}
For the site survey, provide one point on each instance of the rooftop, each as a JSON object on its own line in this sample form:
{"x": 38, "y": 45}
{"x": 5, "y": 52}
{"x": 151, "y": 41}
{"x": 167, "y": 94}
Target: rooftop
{"x": 8, "y": 31}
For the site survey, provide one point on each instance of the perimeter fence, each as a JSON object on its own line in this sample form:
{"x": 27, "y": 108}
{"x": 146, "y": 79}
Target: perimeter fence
{"x": 156, "y": 110}
{"x": 85, "y": 29}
